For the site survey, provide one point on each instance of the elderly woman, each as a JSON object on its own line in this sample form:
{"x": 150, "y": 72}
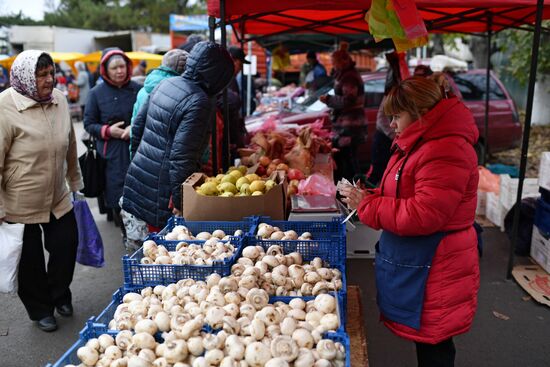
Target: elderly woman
{"x": 107, "y": 118}
{"x": 38, "y": 167}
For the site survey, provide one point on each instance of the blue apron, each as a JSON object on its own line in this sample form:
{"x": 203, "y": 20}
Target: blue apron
{"x": 402, "y": 268}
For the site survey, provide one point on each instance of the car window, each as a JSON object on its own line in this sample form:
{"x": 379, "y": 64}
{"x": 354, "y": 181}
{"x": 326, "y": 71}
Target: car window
{"x": 472, "y": 87}
{"x": 374, "y": 92}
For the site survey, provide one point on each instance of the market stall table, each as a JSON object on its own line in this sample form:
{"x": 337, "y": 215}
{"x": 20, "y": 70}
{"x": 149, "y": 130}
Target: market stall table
{"x": 356, "y": 329}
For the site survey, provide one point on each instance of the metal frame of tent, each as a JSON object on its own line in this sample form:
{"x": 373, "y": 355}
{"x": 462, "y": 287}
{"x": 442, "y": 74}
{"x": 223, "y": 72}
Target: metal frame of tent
{"x": 445, "y": 21}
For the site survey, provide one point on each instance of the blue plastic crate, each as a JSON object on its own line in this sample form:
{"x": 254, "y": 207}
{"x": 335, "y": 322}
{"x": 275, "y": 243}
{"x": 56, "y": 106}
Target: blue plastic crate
{"x": 331, "y": 251}
{"x": 247, "y": 225}
{"x": 137, "y": 275}
{"x": 542, "y": 216}
{"x": 91, "y": 330}
{"x": 318, "y": 229}
{"x": 344, "y": 339}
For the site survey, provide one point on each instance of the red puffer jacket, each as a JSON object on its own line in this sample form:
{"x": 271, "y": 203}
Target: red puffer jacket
{"x": 436, "y": 192}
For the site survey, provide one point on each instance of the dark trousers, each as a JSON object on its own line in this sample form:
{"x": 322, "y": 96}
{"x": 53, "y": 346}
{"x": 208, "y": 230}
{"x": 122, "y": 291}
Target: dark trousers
{"x": 380, "y": 156}
{"x": 43, "y": 288}
{"x": 436, "y": 355}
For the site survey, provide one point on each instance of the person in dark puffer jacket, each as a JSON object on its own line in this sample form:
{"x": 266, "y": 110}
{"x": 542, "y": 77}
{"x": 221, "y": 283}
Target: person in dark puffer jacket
{"x": 171, "y": 132}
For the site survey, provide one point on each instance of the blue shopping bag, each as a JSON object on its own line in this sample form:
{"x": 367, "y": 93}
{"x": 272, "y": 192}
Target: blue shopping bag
{"x": 90, "y": 244}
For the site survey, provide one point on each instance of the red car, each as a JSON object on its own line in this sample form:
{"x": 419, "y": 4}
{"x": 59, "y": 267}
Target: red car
{"x": 504, "y": 127}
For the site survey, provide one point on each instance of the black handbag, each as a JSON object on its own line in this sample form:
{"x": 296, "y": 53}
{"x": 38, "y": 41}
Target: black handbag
{"x": 92, "y": 166}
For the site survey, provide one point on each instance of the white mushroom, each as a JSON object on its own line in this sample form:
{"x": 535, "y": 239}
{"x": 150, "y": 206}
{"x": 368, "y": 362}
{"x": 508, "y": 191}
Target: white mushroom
{"x": 87, "y": 355}
{"x": 175, "y": 351}
{"x": 195, "y": 346}
{"x": 146, "y": 326}
{"x": 213, "y": 357}
{"x": 284, "y": 347}
{"x": 135, "y": 361}
{"x": 326, "y": 349}
{"x": 257, "y": 298}
{"x": 257, "y": 354}
{"x": 303, "y": 338}
{"x": 276, "y": 362}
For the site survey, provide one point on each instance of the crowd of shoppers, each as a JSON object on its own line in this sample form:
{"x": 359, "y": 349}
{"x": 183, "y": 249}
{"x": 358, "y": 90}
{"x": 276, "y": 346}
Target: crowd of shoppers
{"x": 153, "y": 138}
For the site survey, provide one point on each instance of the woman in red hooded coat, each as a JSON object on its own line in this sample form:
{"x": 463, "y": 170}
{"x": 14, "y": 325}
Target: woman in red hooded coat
{"x": 427, "y": 266}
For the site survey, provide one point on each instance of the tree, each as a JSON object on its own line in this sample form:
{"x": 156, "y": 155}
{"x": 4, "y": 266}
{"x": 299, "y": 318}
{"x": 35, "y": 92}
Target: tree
{"x": 18, "y": 19}
{"x": 518, "y": 45}
{"x": 111, "y": 15}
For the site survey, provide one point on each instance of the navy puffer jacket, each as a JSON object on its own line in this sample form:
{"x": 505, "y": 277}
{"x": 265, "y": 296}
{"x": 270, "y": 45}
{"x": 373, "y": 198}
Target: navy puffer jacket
{"x": 171, "y": 132}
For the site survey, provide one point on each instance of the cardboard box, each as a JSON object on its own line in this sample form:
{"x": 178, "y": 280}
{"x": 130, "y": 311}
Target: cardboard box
{"x": 544, "y": 171}
{"x": 481, "y": 202}
{"x": 534, "y": 281}
{"x": 495, "y": 211}
{"x": 540, "y": 249}
{"x": 216, "y": 208}
{"x": 509, "y": 189}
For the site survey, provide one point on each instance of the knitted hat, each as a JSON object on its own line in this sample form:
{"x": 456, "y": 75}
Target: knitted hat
{"x": 175, "y": 59}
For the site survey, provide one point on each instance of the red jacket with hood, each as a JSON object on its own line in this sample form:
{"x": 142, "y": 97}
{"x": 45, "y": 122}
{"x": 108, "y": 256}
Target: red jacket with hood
{"x": 437, "y": 193}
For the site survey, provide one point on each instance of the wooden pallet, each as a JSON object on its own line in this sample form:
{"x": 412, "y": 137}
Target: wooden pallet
{"x": 356, "y": 328}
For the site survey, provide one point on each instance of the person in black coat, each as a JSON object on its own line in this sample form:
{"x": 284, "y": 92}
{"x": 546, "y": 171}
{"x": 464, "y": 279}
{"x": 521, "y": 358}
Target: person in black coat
{"x": 107, "y": 118}
{"x": 171, "y": 132}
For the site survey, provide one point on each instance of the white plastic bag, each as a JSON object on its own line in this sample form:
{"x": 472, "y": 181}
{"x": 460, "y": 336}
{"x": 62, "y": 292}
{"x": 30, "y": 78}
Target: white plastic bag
{"x": 11, "y": 246}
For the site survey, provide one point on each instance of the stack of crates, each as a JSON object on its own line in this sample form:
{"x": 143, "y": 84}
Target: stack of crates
{"x": 328, "y": 243}
{"x": 540, "y": 241}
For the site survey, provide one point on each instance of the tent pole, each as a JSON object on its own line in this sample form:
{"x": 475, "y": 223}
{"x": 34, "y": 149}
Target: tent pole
{"x": 243, "y": 94}
{"x": 526, "y": 131}
{"x": 487, "y": 91}
{"x": 225, "y": 109}
{"x": 212, "y": 29}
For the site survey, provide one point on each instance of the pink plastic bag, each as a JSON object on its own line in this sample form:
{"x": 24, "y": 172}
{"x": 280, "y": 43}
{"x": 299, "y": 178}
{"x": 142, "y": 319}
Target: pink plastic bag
{"x": 317, "y": 184}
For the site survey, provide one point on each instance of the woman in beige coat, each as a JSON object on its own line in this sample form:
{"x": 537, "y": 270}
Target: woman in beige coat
{"x": 38, "y": 167}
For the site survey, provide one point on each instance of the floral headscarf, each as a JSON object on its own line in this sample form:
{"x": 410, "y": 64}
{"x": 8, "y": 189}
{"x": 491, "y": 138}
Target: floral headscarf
{"x": 23, "y": 75}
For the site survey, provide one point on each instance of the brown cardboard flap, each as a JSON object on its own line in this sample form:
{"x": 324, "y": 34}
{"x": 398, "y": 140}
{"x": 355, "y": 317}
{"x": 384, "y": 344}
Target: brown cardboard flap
{"x": 535, "y": 281}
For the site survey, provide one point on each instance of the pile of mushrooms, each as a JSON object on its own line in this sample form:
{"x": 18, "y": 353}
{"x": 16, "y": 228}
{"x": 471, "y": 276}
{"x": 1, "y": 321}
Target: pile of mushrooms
{"x": 182, "y": 233}
{"x": 269, "y": 232}
{"x": 284, "y": 275}
{"x": 250, "y": 331}
{"x": 187, "y": 254}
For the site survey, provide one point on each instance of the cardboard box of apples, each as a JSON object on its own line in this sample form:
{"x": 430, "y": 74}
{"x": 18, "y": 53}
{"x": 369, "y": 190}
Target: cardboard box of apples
{"x": 234, "y": 195}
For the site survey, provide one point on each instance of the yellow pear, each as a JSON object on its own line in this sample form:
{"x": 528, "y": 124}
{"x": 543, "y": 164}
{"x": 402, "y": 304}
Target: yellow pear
{"x": 219, "y": 177}
{"x": 245, "y": 189}
{"x": 227, "y": 187}
{"x": 231, "y": 169}
{"x": 236, "y": 173}
{"x": 257, "y": 185}
{"x": 243, "y": 169}
{"x": 209, "y": 188}
{"x": 229, "y": 178}
{"x": 241, "y": 181}
{"x": 252, "y": 177}
{"x": 227, "y": 194}
{"x": 269, "y": 184}
{"x": 257, "y": 193}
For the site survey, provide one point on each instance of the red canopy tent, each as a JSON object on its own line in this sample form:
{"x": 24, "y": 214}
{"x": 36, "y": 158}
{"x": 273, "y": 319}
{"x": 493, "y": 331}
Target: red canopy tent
{"x": 273, "y": 17}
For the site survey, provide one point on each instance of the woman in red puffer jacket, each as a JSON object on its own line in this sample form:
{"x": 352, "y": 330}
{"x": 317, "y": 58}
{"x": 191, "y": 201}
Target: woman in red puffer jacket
{"x": 427, "y": 267}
